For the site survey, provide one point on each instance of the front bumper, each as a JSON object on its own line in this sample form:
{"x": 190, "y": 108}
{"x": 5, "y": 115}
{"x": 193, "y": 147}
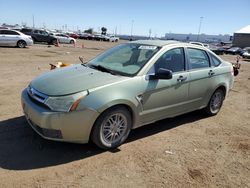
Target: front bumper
{"x": 29, "y": 42}
{"x": 60, "y": 126}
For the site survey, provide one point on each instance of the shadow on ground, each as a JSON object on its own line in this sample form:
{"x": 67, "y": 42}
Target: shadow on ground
{"x": 22, "y": 149}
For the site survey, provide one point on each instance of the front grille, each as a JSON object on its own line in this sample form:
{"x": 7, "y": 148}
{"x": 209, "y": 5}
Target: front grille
{"x": 37, "y": 97}
{"x": 40, "y": 97}
{"x": 38, "y": 103}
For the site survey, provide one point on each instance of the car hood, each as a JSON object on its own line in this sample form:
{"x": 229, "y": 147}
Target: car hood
{"x": 72, "y": 79}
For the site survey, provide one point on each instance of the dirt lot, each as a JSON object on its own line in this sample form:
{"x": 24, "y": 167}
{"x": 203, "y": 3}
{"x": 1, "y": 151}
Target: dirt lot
{"x": 188, "y": 151}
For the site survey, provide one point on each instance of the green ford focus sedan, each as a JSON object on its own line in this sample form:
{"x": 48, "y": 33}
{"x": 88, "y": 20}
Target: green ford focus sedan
{"x": 128, "y": 86}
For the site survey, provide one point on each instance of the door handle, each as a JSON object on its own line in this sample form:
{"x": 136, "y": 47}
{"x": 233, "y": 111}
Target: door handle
{"x": 211, "y": 73}
{"x": 181, "y": 78}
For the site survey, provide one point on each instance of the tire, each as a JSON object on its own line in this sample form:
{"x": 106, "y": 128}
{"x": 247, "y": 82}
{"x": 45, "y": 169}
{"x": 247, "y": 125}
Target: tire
{"x": 112, "y": 128}
{"x": 215, "y": 102}
{"x": 21, "y": 44}
{"x": 53, "y": 42}
{"x": 71, "y": 42}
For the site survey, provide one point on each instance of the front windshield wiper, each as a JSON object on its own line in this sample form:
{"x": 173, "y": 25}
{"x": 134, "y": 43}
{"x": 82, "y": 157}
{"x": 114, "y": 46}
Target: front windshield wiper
{"x": 81, "y": 59}
{"x": 103, "y": 69}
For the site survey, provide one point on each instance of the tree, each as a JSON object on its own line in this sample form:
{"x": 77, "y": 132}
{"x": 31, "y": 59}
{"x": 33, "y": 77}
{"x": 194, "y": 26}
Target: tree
{"x": 104, "y": 30}
{"x": 90, "y": 31}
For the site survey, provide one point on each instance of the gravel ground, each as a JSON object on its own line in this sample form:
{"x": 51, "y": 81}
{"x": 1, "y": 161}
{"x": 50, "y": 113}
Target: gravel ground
{"x": 191, "y": 150}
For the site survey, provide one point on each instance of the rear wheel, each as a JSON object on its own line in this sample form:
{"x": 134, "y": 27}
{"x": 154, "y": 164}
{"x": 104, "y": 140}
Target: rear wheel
{"x": 112, "y": 128}
{"x": 21, "y": 44}
{"x": 215, "y": 102}
{"x": 53, "y": 42}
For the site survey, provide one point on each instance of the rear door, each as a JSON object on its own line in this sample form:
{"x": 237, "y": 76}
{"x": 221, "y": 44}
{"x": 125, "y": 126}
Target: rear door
{"x": 201, "y": 74}
{"x": 9, "y": 38}
{"x": 166, "y": 98}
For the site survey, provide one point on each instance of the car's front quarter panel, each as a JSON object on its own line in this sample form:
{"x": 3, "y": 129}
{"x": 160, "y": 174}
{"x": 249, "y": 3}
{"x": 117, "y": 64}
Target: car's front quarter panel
{"x": 120, "y": 93}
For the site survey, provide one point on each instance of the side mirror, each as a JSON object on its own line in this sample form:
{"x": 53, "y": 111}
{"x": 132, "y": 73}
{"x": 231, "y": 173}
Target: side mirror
{"x": 163, "y": 74}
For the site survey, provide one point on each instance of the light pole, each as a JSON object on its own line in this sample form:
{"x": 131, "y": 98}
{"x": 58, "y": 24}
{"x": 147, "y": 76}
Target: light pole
{"x": 199, "y": 30}
{"x": 132, "y": 25}
{"x": 33, "y": 20}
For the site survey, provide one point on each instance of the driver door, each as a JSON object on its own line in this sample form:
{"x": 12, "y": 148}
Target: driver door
{"x": 166, "y": 98}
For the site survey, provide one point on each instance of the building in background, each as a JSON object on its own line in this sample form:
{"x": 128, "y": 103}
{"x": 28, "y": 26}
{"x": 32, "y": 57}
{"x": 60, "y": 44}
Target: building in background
{"x": 242, "y": 37}
{"x": 200, "y": 38}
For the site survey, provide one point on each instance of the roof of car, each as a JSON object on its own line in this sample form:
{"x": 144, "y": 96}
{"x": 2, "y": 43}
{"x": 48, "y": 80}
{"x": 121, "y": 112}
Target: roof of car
{"x": 155, "y": 42}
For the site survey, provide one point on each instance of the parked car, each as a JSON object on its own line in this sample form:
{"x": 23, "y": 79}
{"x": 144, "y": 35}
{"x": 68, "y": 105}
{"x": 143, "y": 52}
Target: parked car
{"x": 217, "y": 50}
{"x": 110, "y": 38}
{"x": 244, "y": 50}
{"x": 200, "y": 44}
{"x": 73, "y": 35}
{"x": 14, "y": 38}
{"x": 86, "y": 36}
{"x": 113, "y": 38}
{"x": 246, "y": 54}
{"x": 39, "y": 35}
{"x": 99, "y": 37}
{"x": 128, "y": 86}
{"x": 233, "y": 50}
{"x": 65, "y": 38}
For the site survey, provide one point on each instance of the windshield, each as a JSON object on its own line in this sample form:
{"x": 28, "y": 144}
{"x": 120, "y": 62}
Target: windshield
{"x": 125, "y": 59}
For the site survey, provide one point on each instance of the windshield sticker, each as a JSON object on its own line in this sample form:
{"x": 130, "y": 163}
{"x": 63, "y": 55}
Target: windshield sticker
{"x": 147, "y": 47}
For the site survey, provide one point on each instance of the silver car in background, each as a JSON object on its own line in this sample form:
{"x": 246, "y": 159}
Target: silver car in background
{"x": 14, "y": 38}
{"x": 65, "y": 38}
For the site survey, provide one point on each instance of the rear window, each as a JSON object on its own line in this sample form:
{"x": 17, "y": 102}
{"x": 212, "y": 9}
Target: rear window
{"x": 215, "y": 61}
{"x": 197, "y": 58}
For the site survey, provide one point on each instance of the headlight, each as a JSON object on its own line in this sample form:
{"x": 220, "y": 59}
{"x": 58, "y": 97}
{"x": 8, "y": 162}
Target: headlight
{"x": 65, "y": 103}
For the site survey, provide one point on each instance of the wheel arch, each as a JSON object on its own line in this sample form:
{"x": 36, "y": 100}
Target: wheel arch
{"x": 124, "y": 103}
{"x": 113, "y": 105}
{"x": 20, "y": 40}
{"x": 223, "y": 88}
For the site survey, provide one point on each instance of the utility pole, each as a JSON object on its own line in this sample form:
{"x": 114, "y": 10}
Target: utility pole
{"x": 132, "y": 25}
{"x": 115, "y": 30}
{"x": 33, "y": 19}
{"x": 150, "y": 32}
{"x": 199, "y": 30}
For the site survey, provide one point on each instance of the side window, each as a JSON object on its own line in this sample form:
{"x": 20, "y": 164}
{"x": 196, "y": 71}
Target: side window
{"x": 43, "y": 33}
{"x": 197, "y": 58}
{"x": 36, "y": 31}
{"x": 7, "y": 32}
{"x": 172, "y": 60}
{"x": 216, "y": 62}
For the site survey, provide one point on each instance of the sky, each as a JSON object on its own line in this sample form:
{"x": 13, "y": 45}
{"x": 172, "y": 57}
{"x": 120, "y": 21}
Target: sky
{"x": 140, "y": 16}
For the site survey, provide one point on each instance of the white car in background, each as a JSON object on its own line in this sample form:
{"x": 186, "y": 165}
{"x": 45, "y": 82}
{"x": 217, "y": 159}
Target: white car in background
{"x": 200, "y": 44}
{"x": 14, "y": 38}
{"x": 63, "y": 38}
{"x": 113, "y": 38}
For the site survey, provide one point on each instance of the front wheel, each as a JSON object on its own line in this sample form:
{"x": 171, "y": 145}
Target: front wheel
{"x": 72, "y": 42}
{"x": 21, "y": 44}
{"x": 112, "y": 128}
{"x": 215, "y": 102}
{"x": 53, "y": 42}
